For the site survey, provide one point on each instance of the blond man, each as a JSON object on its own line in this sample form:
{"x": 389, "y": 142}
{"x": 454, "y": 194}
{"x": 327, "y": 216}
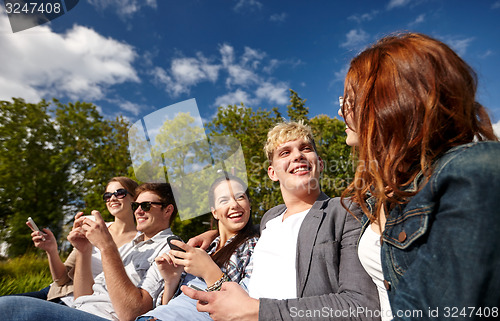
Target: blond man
{"x": 305, "y": 265}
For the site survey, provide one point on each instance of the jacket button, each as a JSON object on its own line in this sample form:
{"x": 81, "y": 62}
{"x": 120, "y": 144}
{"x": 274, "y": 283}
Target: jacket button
{"x": 387, "y": 285}
{"x": 402, "y": 237}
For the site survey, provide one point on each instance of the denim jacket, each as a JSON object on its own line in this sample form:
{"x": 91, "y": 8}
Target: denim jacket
{"x": 440, "y": 254}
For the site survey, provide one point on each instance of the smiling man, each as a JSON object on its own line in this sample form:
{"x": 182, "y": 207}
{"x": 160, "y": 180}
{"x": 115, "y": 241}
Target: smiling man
{"x": 305, "y": 264}
{"x": 130, "y": 282}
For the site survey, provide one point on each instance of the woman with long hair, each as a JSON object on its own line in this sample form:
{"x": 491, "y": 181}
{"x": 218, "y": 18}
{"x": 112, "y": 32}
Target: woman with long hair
{"x": 428, "y": 179}
{"x": 226, "y": 259}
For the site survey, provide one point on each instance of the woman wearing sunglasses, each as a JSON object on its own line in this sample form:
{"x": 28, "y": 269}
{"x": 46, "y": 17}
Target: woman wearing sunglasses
{"x": 226, "y": 259}
{"x": 118, "y": 197}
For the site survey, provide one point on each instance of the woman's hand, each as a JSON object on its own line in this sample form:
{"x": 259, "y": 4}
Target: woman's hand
{"x": 196, "y": 262}
{"x": 44, "y": 240}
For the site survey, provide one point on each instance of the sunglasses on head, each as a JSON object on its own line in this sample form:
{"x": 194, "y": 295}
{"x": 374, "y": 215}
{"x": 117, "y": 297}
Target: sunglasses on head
{"x": 119, "y": 193}
{"x": 146, "y": 206}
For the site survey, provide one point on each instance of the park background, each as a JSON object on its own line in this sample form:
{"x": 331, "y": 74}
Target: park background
{"x": 71, "y": 89}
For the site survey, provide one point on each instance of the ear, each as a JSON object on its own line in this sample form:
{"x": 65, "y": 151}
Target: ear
{"x": 168, "y": 210}
{"x": 321, "y": 164}
{"x": 272, "y": 173}
{"x": 214, "y": 213}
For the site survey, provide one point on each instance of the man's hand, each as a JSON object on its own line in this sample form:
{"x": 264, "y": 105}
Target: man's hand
{"x": 231, "y": 303}
{"x": 96, "y": 231}
{"x": 168, "y": 269}
{"x": 77, "y": 236}
{"x": 203, "y": 240}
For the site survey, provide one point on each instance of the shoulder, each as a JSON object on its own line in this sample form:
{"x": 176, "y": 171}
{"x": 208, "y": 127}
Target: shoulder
{"x": 477, "y": 156}
{"x": 477, "y": 163}
{"x": 343, "y": 209}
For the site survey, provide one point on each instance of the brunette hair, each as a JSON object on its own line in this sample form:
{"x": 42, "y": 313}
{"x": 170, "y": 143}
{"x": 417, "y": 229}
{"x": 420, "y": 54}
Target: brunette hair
{"x": 164, "y": 192}
{"x": 411, "y": 98}
{"x": 284, "y": 132}
{"x": 222, "y": 256}
{"x": 129, "y": 184}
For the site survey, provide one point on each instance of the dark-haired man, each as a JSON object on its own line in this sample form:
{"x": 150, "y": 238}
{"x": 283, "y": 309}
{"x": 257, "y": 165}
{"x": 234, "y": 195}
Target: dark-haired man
{"x": 130, "y": 281}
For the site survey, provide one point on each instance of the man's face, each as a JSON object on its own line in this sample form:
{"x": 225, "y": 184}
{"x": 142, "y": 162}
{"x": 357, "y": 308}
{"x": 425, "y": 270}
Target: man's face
{"x": 156, "y": 219}
{"x": 296, "y": 166}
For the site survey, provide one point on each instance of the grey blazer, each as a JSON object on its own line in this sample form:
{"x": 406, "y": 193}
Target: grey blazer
{"x": 331, "y": 283}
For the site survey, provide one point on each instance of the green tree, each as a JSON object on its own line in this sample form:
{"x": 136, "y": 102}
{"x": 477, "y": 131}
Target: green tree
{"x": 97, "y": 150}
{"x": 33, "y": 172}
{"x": 297, "y": 109}
{"x": 329, "y": 134}
{"x": 55, "y": 159}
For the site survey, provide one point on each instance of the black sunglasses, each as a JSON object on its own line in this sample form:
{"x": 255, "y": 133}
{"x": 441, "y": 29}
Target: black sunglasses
{"x": 119, "y": 193}
{"x": 146, "y": 206}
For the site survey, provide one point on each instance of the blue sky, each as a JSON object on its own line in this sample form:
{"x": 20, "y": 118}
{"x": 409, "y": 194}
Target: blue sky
{"x": 132, "y": 57}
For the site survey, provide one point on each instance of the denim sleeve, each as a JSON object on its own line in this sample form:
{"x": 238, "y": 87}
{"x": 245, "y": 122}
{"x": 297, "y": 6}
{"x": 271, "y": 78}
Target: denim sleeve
{"x": 449, "y": 269}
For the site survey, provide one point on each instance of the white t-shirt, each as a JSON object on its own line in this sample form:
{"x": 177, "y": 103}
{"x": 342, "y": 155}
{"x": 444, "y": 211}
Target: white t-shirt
{"x": 274, "y": 273}
{"x": 369, "y": 255}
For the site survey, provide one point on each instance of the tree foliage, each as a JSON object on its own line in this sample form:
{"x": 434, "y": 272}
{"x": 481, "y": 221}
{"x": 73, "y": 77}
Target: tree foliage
{"x": 55, "y": 159}
{"x": 297, "y": 109}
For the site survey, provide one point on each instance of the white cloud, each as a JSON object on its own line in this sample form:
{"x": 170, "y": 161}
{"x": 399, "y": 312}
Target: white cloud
{"x": 185, "y": 73}
{"x": 247, "y": 76}
{"x": 247, "y": 4}
{"x": 495, "y": 5}
{"x": 124, "y": 8}
{"x": 129, "y": 106}
{"x": 420, "y": 19}
{"x": 274, "y": 93}
{"x": 459, "y": 45}
{"x": 235, "y": 98}
{"x": 364, "y": 17}
{"x": 340, "y": 75}
{"x": 240, "y": 76}
{"x": 486, "y": 54}
{"x": 252, "y": 57}
{"x": 397, "y": 3}
{"x": 278, "y": 17}
{"x": 496, "y": 129}
{"x": 355, "y": 38}
{"x": 80, "y": 64}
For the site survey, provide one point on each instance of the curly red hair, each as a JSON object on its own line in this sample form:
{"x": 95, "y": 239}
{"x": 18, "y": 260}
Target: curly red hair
{"x": 412, "y": 98}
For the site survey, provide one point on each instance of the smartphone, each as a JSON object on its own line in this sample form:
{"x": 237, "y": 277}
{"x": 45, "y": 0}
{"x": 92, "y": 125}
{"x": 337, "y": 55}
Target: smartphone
{"x": 33, "y": 226}
{"x": 194, "y": 287}
{"x": 172, "y": 246}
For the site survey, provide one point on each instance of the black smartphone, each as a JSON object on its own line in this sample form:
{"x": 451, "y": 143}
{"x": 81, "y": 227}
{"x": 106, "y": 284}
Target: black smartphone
{"x": 172, "y": 246}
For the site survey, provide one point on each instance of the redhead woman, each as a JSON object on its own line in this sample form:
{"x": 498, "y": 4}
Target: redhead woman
{"x": 427, "y": 181}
